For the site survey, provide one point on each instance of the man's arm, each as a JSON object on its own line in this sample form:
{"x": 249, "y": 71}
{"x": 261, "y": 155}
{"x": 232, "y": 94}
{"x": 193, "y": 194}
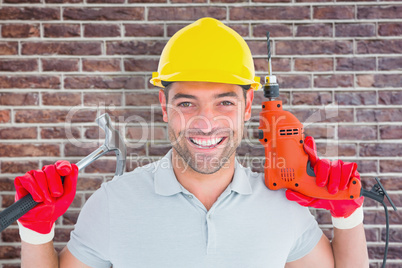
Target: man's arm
{"x": 45, "y": 256}
{"x": 348, "y": 249}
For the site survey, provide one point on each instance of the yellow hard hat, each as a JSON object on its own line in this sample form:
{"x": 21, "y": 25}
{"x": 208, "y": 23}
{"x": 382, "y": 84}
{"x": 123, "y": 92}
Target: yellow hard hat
{"x": 206, "y": 51}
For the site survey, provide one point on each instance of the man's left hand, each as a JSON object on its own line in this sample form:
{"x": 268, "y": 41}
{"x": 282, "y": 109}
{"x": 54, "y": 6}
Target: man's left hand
{"x": 336, "y": 175}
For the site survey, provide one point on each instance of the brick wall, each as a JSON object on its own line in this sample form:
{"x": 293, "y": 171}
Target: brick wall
{"x": 64, "y": 62}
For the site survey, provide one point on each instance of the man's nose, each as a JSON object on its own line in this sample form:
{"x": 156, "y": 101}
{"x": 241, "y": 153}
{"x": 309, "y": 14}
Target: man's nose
{"x": 205, "y": 119}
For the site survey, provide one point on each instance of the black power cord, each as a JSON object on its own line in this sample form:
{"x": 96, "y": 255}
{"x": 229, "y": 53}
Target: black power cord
{"x": 378, "y": 193}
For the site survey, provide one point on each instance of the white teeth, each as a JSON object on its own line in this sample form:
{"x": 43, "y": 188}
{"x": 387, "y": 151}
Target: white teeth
{"x": 206, "y": 143}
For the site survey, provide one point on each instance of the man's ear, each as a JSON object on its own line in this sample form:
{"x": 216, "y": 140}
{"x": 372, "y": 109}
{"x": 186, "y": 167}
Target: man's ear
{"x": 162, "y": 100}
{"x": 249, "y": 102}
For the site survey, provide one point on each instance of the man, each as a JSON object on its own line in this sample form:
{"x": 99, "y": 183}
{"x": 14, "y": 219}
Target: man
{"x": 197, "y": 207}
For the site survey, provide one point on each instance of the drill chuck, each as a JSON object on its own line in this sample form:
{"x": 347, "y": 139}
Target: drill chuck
{"x": 271, "y": 87}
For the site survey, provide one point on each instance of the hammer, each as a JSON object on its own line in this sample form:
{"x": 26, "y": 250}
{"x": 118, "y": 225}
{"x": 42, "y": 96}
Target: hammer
{"x": 113, "y": 142}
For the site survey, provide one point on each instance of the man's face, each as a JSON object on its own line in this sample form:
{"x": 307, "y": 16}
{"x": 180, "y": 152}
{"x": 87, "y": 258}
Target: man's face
{"x": 205, "y": 122}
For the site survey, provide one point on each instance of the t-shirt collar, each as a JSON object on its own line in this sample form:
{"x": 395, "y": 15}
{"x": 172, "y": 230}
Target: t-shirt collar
{"x": 166, "y": 183}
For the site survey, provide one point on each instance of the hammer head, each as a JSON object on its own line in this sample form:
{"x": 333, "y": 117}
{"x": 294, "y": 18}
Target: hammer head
{"x": 113, "y": 142}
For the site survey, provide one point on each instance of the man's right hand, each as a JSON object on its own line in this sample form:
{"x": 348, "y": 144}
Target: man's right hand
{"x": 46, "y": 187}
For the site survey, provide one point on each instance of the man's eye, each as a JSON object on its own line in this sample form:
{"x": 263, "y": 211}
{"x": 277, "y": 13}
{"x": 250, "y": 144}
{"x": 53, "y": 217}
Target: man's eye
{"x": 185, "y": 104}
{"x": 226, "y": 103}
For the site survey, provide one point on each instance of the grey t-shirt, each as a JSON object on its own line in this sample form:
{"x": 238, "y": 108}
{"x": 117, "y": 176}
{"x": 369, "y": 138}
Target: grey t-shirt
{"x": 145, "y": 218}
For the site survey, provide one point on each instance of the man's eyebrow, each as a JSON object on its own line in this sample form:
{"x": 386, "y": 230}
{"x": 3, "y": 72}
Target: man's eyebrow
{"x": 227, "y": 94}
{"x": 181, "y": 95}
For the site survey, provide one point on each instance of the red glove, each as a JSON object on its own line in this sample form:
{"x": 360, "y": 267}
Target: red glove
{"x": 46, "y": 187}
{"x": 336, "y": 175}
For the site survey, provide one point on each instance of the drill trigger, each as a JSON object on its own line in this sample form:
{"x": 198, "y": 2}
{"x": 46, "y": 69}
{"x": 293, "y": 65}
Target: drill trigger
{"x": 310, "y": 169}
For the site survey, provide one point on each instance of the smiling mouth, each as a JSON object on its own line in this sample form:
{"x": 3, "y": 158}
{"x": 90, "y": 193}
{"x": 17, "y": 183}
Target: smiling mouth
{"x": 207, "y": 143}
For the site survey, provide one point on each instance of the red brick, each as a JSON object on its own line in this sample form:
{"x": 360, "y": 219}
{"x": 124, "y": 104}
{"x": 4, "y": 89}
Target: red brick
{"x": 140, "y": 65}
{"x": 4, "y": 116}
{"x": 105, "y": 1}
{"x": 314, "y": 64}
{"x": 333, "y": 12}
{"x": 278, "y": 65}
{"x": 271, "y": 13}
{"x": 18, "y": 65}
{"x": 29, "y": 149}
{"x": 70, "y": 218}
{"x": 387, "y": 80}
{"x": 101, "y": 65}
{"x": 379, "y": 46}
{"x": 294, "y": 81}
{"x": 22, "y": 1}
{"x": 59, "y": 132}
{"x": 143, "y": 29}
{"x": 241, "y": 29}
{"x": 62, "y": 235}
{"x": 185, "y": 13}
{"x": 60, "y": 65}
{"x": 390, "y": 29}
{"x": 270, "y": 1}
{"x": 101, "y": 99}
{"x": 195, "y": 1}
{"x": 134, "y": 47}
{"x": 366, "y": 165}
{"x": 104, "y": 82}
{"x": 54, "y": 116}
{"x": 16, "y": 167}
{"x": 323, "y": 115}
{"x": 311, "y": 98}
{"x": 275, "y": 30}
{"x": 333, "y": 81}
{"x": 259, "y": 98}
{"x": 320, "y": 132}
{"x": 258, "y": 47}
{"x": 18, "y": 133}
{"x": 148, "y": 115}
{"x": 19, "y": 99}
{"x": 355, "y": 64}
{"x": 326, "y": 150}
{"x": 102, "y": 30}
{"x": 380, "y": 149}
{"x": 8, "y": 48}
{"x": 20, "y": 30}
{"x": 142, "y": 99}
{"x": 160, "y": 149}
{"x": 62, "y": 30}
{"x": 61, "y": 99}
{"x": 94, "y": 133}
{"x": 173, "y": 28}
{"x": 390, "y": 97}
{"x": 104, "y": 13}
{"x": 390, "y": 132}
{"x": 7, "y": 201}
{"x": 379, "y": 12}
{"x": 29, "y": 13}
{"x": 309, "y": 47}
{"x": 354, "y": 30}
{"x": 390, "y": 166}
{"x": 10, "y": 235}
{"x": 314, "y": 1}
{"x": 379, "y": 115}
{"x": 315, "y": 30}
{"x": 29, "y": 82}
{"x": 147, "y": 1}
{"x": 80, "y": 148}
{"x": 390, "y": 64}
{"x": 64, "y": 1}
{"x": 10, "y": 252}
{"x": 149, "y": 133}
{"x": 357, "y": 132}
{"x": 355, "y": 98}
{"x": 61, "y": 48}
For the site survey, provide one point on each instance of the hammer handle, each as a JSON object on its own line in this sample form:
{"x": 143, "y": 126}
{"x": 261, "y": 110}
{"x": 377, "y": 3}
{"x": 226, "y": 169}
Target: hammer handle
{"x": 17, "y": 210}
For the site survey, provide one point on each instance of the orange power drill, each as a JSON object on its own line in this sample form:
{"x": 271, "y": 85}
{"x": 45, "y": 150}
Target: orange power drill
{"x": 286, "y": 163}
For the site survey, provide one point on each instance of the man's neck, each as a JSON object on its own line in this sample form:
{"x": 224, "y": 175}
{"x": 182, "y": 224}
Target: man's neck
{"x": 206, "y": 187}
